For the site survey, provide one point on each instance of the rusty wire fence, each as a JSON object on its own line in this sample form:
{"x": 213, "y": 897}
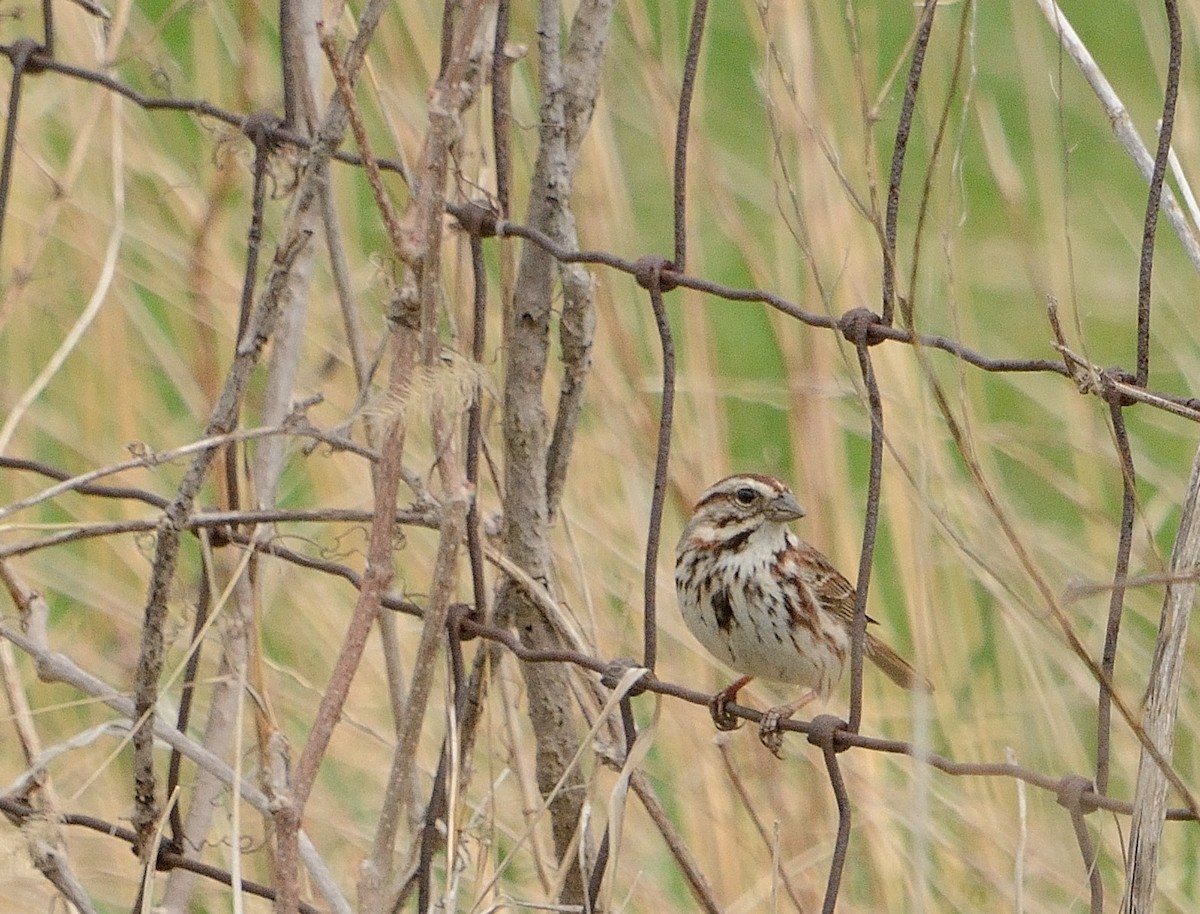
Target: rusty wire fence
{"x": 290, "y": 156}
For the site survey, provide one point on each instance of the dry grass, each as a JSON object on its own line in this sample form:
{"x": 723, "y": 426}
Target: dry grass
{"x": 1018, "y": 210}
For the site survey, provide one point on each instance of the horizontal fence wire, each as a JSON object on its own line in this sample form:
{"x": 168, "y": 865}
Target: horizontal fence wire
{"x": 1078, "y": 794}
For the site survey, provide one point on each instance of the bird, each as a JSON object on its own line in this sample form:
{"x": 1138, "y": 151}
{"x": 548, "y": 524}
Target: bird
{"x": 766, "y": 603}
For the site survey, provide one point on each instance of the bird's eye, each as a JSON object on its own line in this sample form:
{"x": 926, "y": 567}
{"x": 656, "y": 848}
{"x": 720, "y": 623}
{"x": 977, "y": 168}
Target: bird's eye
{"x": 745, "y": 495}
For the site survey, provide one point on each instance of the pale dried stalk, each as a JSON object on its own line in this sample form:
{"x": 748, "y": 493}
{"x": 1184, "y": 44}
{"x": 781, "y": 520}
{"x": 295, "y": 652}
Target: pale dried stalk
{"x": 301, "y": 77}
{"x": 43, "y": 835}
{"x": 1161, "y": 708}
{"x": 1122, "y": 124}
{"x": 18, "y": 702}
{"x": 144, "y": 459}
{"x": 53, "y": 666}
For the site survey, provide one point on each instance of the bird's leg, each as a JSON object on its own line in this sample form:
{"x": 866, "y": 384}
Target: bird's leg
{"x": 768, "y": 727}
{"x": 722, "y": 719}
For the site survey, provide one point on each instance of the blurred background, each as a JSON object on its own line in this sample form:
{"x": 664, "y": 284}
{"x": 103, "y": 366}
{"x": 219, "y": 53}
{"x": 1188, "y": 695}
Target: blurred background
{"x": 1015, "y": 192}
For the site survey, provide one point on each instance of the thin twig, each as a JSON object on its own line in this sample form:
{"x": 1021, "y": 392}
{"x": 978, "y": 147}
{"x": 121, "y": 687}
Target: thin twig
{"x": 965, "y": 33}
{"x": 739, "y": 787}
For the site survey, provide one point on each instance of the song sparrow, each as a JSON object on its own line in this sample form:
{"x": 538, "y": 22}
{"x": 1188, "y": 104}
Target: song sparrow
{"x": 767, "y": 603}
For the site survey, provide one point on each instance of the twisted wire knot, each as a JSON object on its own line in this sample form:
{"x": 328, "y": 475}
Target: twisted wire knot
{"x": 652, "y": 268}
{"x": 856, "y": 325}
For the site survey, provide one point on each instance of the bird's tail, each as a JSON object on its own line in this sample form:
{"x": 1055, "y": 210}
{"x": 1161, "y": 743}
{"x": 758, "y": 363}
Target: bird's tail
{"x": 898, "y": 670}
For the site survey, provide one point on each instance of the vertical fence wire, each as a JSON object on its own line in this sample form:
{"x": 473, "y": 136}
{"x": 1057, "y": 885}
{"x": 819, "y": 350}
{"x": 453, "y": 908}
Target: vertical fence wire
{"x": 899, "y": 150}
{"x": 823, "y": 735}
{"x": 1116, "y": 600}
{"x": 652, "y": 279}
{"x": 1154, "y": 197}
{"x": 658, "y": 276}
{"x": 21, "y": 56}
{"x": 858, "y": 329}
{"x": 691, "y": 62}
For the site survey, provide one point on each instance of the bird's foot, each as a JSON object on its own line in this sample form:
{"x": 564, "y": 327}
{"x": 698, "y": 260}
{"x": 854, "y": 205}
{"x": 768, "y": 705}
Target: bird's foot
{"x": 769, "y": 733}
{"x": 722, "y": 717}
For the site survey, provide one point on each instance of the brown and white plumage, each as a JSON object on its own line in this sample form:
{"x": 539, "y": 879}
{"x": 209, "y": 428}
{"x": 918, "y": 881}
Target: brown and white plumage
{"x": 764, "y": 601}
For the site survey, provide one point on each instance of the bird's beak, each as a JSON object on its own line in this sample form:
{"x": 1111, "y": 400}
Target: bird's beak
{"x": 784, "y": 508}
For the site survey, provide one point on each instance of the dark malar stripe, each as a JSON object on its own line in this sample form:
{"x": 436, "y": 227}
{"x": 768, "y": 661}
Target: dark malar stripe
{"x": 737, "y": 541}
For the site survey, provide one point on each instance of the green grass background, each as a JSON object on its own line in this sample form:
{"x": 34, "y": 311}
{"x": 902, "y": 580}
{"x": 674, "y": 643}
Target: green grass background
{"x": 1029, "y": 197}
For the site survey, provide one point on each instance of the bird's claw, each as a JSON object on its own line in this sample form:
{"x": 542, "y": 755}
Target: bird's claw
{"x": 769, "y": 733}
{"x": 722, "y": 717}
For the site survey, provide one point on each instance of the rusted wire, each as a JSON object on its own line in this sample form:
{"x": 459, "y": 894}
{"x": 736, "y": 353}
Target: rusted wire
{"x": 899, "y": 149}
{"x": 1116, "y": 600}
{"x": 167, "y": 859}
{"x": 625, "y": 265}
{"x": 824, "y": 728}
{"x": 1154, "y": 197}
{"x": 1072, "y": 789}
{"x": 686, "y": 89}
{"x": 472, "y": 627}
{"x": 651, "y": 277}
{"x": 48, "y": 28}
{"x": 21, "y": 53}
{"x": 476, "y": 628}
{"x": 854, "y": 326}
{"x": 843, "y": 738}
{"x": 832, "y": 736}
